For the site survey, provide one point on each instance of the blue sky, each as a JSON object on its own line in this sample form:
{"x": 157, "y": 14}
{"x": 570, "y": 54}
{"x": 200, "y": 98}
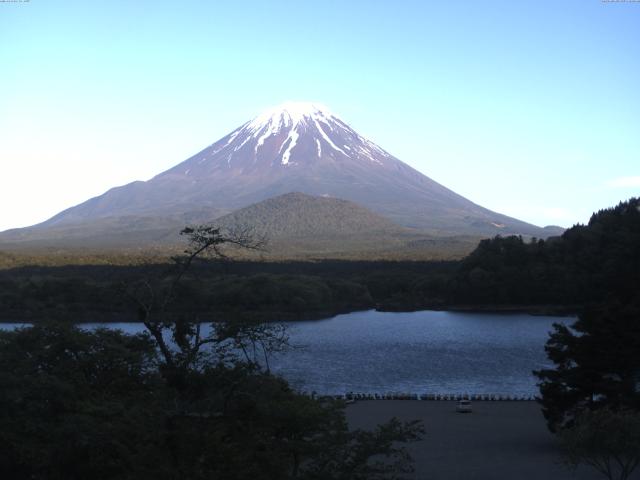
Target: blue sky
{"x": 530, "y": 108}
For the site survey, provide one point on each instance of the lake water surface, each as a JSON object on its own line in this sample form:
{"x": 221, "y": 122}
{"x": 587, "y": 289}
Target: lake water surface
{"x": 415, "y": 352}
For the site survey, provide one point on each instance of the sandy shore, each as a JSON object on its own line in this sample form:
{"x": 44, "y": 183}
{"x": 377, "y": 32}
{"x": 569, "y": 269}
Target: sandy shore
{"x": 499, "y": 440}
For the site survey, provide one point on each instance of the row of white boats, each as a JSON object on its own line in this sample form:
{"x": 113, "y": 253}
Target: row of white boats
{"x": 480, "y": 397}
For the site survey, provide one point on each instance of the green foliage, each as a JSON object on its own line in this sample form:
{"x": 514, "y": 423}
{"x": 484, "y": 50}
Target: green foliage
{"x": 596, "y": 364}
{"x": 597, "y": 360}
{"x": 582, "y": 266}
{"x": 269, "y": 290}
{"x": 607, "y": 440}
{"x": 286, "y": 293}
{"x": 76, "y": 404}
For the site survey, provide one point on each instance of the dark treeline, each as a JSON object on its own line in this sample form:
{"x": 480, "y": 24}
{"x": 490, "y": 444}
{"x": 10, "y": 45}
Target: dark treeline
{"x": 272, "y": 290}
{"x": 583, "y": 266}
{"x": 591, "y": 396}
{"x": 561, "y": 273}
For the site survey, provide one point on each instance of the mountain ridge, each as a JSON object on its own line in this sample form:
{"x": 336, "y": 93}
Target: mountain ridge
{"x": 295, "y": 147}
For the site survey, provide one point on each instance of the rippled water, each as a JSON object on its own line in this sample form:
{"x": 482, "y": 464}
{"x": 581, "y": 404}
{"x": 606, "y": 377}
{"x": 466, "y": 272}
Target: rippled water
{"x": 419, "y": 352}
{"x": 416, "y": 352}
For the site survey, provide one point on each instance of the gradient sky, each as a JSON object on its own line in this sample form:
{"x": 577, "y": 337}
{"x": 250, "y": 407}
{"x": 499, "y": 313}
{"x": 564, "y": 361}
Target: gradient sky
{"x": 529, "y": 108}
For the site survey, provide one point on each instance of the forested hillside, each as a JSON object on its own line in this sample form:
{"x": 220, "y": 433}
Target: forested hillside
{"x": 584, "y": 265}
{"x": 562, "y": 274}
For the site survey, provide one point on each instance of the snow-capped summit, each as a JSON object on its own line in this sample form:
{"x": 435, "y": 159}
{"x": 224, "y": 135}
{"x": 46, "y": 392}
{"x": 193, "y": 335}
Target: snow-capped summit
{"x": 296, "y": 147}
{"x": 290, "y": 114}
{"x": 293, "y": 133}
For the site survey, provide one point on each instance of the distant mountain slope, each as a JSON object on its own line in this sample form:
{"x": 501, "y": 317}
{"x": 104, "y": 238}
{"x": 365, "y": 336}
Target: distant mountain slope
{"x": 294, "y": 147}
{"x": 130, "y": 231}
{"x": 296, "y": 215}
{"x": 303, "y": 226}
{"x": 296, "y": 226}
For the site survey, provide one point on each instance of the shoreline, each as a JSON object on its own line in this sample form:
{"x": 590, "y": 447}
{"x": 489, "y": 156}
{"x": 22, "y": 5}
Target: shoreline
{"x": 127, "y": 317}
{"x": 534, "y": 310}
{"x": 284, "y": 316}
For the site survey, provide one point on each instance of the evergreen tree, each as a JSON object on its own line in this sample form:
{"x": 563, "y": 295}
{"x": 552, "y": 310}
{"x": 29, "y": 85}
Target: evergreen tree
{"x": 597, "y": 363}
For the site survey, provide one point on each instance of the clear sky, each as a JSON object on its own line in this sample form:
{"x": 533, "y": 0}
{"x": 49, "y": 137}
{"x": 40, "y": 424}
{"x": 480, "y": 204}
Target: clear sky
{"x": 530, "y": 108}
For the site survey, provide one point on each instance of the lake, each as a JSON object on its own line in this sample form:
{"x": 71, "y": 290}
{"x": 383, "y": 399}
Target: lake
{"x": 412, "y": 352}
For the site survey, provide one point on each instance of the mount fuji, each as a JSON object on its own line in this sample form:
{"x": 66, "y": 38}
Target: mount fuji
{"x": 294, "y": 147}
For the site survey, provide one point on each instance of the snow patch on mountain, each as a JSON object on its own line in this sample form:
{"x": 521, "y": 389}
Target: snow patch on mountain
{"x": 291, "y": 139}
{"x": 327, "y": 139}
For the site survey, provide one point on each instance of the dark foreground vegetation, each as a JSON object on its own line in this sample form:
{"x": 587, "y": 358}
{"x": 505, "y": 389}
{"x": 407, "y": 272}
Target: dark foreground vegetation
{"x": 561, "y": 274}
{"x": 591, "y": 397}
{"x": 174, "y": 402}
{"x": 105, "y": 405}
